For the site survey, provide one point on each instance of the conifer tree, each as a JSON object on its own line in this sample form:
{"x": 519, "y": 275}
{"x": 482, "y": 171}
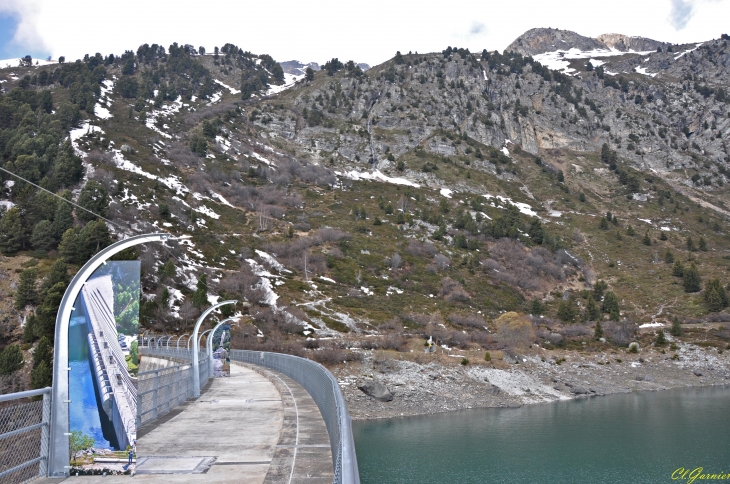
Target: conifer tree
{"x": 26, "y": 294}
{"x": 41, "y": 376}
{"x": 43, "y": 352}
{"x": 94, "y": 237}
{"x": 646, "y": 240}
{"x": 200, "y": 296}
{"x": 690, "y": 244}
{"x": 95, "y": 198}
{"x": 11, "y": 360}
{"x": 46, "y": 313}
{"x": 610, "y": 304}
{"x": 57, "y": 274}
{"x": 12, "y": 236}
{"x": 63, "y": 219}
{"x": 614, "y": 315}
{"x": 676, "y": 327}
{"x": 44, "y": 236}
{"x": 70, "y": 247}
{"x": 598, "y": 332}
{"x": 715, "y": 296}
{"x": 567, "y": 310}
{"x": 593, "y": 312}
{"x": 669, "y": 257}
{"x": 599, "y": 289}
{"x": 661, "y": 339}
{"x": 691, "y": 279}
{"x": 536, "y": 307}
{"x": 678, "y": 268}
{"x": 702, "y": 244}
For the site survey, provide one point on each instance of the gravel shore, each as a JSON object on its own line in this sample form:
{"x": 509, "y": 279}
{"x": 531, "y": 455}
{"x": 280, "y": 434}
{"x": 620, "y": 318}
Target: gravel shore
{"x": 421, "y": 387}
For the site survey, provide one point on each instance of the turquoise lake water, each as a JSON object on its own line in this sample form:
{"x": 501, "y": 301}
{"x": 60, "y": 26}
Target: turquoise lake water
{"x": 638, "y": 437}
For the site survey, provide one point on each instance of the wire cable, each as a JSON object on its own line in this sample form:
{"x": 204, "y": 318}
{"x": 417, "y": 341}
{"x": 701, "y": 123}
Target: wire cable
{"x": 120, "y": 226}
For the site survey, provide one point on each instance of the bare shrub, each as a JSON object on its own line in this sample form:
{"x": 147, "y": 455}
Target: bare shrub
{"x": 396, "y": 261}
{"x": 105, "y": 178}
{"x": 515, "y": 330}
{"x": 469, "y": 321}
{"x": 333, "y": 356}
{"x": 370, "y": 343}
{"x": 243, "y": 282}
{"x": 97, "y": 158}
{"x": 441, "y": 261}
{"x": 191, "y": 119}
{"x": 482, "y": 338}
{"x": 416, "y": 319}
{"x": 458, "y": 339}
{"x": 562, "y": 256}
{"x": 269, "y": 320}
{"x": 512, "y": 263}
{"x": 393, "y": 341}
{"x": 573, "y": 330}
{"x": 392, "y": 325}
{"x": 311, "y": 344}
{"x": 620, "y": 333}
{"x": 420, "y": 249}
{"x": 180, "y": 154}
{"x": 452, "y": 291}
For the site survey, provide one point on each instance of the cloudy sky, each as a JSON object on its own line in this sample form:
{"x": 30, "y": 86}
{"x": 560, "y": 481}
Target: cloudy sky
{"x": 317, "y": 30}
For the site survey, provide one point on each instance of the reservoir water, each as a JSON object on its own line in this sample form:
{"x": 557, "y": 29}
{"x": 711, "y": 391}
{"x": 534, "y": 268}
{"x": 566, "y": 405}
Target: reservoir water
{"x": 636, "y": 437}
{"x": 84, "y": 410}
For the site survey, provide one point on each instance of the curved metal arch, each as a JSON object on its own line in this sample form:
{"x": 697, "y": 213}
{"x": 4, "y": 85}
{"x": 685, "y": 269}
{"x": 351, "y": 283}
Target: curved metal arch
{"x": 58, "y": 465}
{"x": 209, "y": 341}
{"x": 200, "y": 338}
{"x": 177, "y": 345}
{"x": 196, "y": 344}
{"x": 159, "y": 340}
{"x": 142, "y": 337}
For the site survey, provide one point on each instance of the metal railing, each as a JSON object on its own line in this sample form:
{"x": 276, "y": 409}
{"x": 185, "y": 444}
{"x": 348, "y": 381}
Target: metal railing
{"x": 162, "y": 390}
{"x": 159, "y": 391}
{"x": 24, "y": 436}
{"x": 326, "y": 393}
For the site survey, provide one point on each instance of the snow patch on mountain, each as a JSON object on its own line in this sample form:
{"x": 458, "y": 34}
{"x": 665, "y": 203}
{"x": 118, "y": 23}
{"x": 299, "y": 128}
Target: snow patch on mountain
{"x": 559, "y": 60}
{"x": 376, "y": 175}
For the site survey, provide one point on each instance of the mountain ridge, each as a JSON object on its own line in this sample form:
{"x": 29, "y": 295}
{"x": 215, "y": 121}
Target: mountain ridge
{"x": 542, "y": 40}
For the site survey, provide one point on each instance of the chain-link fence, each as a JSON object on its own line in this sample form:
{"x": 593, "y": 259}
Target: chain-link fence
{"x": 24, "y": 428}
{"x": 159, "y": 391}
{"x": 326, "y": 393}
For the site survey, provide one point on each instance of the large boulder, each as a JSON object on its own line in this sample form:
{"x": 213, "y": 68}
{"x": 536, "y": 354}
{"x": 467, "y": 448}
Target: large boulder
{"x": 376, "y": 390}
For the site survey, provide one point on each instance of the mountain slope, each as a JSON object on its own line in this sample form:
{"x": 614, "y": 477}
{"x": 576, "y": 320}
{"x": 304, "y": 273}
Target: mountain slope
{"x": 365, "y": 211}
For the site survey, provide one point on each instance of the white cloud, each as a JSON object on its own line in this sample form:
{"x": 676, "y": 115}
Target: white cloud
{"x": 477, "y": 28}
{"x": 317, "y": 30}
{"x": 28, "y": 12}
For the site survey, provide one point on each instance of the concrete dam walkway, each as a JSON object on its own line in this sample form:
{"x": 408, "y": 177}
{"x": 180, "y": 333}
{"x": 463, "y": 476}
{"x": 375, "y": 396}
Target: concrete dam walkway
{"x": 256, "y": 426}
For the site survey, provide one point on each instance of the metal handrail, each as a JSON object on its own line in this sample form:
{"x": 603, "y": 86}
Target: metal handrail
{"x": 319, "y": 383}
{"x": 7, "y": 440}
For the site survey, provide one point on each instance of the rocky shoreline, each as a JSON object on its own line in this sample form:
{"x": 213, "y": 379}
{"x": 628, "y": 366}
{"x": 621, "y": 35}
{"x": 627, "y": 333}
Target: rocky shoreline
{"x": 407, "y": 387}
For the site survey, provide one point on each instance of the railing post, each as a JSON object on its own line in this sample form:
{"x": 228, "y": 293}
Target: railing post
{"x": 196, "y": 345}
{"x": 45, "y": 434}
{"x": 154, "y": 391}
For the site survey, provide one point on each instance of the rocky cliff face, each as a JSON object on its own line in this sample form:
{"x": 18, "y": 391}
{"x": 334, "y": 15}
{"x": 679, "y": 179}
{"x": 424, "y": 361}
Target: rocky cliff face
{"x": 664, "y": 111}
{"x": 539, "y": 41}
